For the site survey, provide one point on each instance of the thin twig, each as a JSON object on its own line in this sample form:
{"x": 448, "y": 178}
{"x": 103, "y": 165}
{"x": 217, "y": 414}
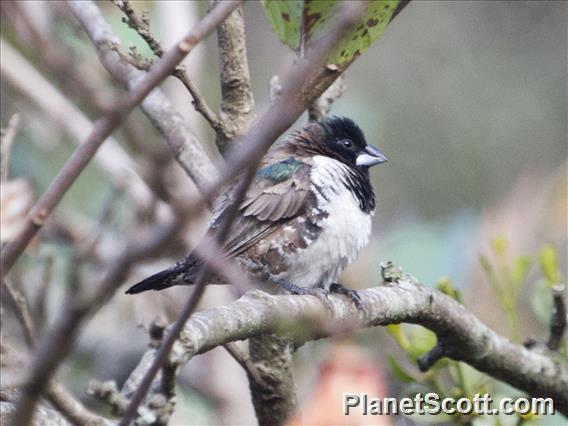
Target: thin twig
{"x": 8, "y": 136}
{"x": 558, "y": 319}
{"x": 111, "y": 158}
{"x": 103, "y": 128}
{"x": 199, "y": 102}
{"x": 21, "y": 309}
{"x": 71, "y": 408}
{"x": 186, "y": 148}
{"x": 40, "y": 301}
{"x": 56, "y": 393}
{"x": 141, "y": 24}
{"x": 56, "y": 345}
{"x": 89, "y": 243}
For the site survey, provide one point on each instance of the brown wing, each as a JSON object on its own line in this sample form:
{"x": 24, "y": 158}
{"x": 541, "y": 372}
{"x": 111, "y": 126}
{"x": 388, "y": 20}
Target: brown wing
{"x": 278, "y": 194}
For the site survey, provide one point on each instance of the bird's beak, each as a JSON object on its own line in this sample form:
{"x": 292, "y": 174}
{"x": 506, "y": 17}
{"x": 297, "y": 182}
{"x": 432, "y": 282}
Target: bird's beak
{"x": 371, "y": 156}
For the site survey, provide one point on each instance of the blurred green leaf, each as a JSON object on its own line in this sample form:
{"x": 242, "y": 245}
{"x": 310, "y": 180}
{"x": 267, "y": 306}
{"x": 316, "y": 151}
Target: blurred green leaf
{"x": 549, "y": 263}
{"x": 399, "y": 372}
{"x": 446, "y": 286}
{"x": 520, "y": 269}
{"x": 541, "y": 301}
{"x": 499, "y": 245}
{"x": 422, "y": 341}
{"x": 395, "y": 330}
{"x": 296, "y": 22}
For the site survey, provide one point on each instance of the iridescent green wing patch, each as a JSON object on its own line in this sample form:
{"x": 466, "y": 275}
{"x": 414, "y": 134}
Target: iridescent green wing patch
{"x": 280, "y": 171}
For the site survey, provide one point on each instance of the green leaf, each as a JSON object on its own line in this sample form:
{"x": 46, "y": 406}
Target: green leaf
{"x": 486, "y": 265}
{"x": 285, "y": 17}
{"x": 397, "y": 333}
{"x": 445, "y": 286}
{"x": 399, "y": 372}
{"x": 423, "y": 340}
{"x": 499, "y": 245}
{"x": 520, "y": 269}
{"x": 549, "y": 263}
{"x": 541, "y": 301}
{"x": 297, "y": 22}
{"x": 373, "y": 24}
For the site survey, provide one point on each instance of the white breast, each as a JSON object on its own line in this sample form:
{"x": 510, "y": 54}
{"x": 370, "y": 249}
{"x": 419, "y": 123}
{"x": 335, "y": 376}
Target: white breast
{"x": 345, "y": 230}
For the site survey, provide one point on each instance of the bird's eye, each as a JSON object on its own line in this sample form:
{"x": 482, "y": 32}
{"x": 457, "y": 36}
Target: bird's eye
{"x": 347, "y": 143}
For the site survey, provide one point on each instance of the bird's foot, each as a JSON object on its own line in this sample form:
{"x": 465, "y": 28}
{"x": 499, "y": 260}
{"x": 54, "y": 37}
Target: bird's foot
{"x": 320, "y": 293}
{"x": 351, "y": 294}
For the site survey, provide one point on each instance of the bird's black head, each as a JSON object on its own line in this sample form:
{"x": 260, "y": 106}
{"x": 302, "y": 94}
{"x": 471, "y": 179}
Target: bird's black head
{"x": 344, "y": 140}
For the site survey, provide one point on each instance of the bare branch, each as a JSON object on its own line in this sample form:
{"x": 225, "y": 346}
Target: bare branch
{"x": 21, "y": 309}
{"x": 141, "y": 24}
{"x": 71, "y": 408}
{"x": 558, "y": 320}
{"x": 56, "y": 345}
{"x": 257, "y": 313}
{"x": 274, "y": 396}
{"x": 108, "y": 393}
{"x": 322, "y": 106}
{"x": 103, "y": 128}
{"x": 237, "y": 101}
{"x": 56, "y": 393}
{"x": 111, "y": 158}
{"x": 182, "y": 141}
{"x": 8, "y": 136}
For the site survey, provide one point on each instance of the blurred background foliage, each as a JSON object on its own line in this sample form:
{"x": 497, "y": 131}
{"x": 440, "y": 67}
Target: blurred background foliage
{"x": 469, "y": 102}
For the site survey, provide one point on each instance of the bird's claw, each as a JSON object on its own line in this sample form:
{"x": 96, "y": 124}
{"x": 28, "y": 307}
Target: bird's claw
{"x": 320, "y": 293}
{"x": 351, "y": 294}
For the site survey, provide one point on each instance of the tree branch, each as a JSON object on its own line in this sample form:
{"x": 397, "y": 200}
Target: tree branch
{"x": 322, "y": 106}
{"x": 258, "y": 313}
{"x": 182, "y": 141}
{"x": 103, "y": 128}
{"x": 56, "y": 393}
{"x": 111, "y": 158}
{"x": 142, "y": 26}
{"x": 274, "y": 395}
{"x": 237, "y": 101}
{"x": 57, "y": 344}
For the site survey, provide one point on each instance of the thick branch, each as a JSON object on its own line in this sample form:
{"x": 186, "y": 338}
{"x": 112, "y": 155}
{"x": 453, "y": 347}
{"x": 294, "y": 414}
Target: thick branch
{"x": 274, "y": 396}
{"x": 237, "y": 101}
{"x": 471, "y": 341}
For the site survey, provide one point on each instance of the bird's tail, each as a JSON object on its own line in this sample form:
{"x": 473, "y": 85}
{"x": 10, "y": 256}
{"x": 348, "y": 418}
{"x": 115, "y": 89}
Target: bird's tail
{"x": 179, "y": 274}
{"x": 158, "y": 281}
